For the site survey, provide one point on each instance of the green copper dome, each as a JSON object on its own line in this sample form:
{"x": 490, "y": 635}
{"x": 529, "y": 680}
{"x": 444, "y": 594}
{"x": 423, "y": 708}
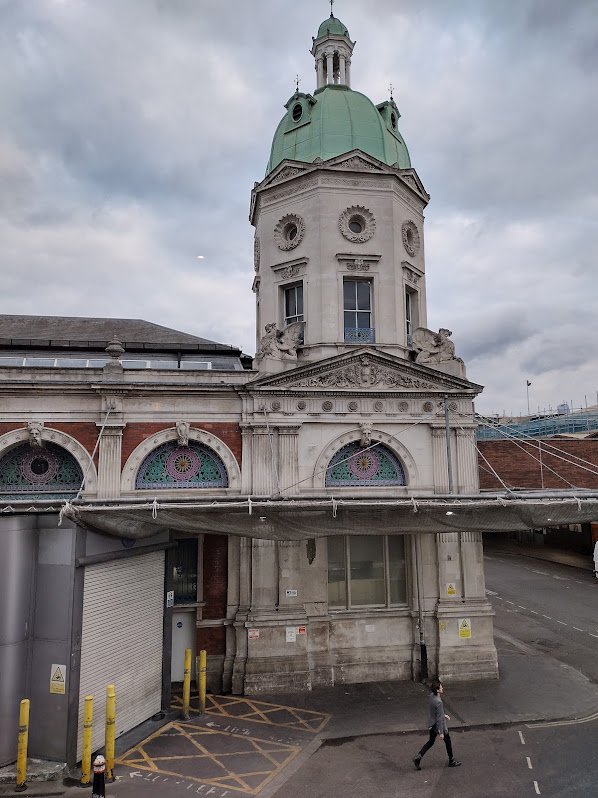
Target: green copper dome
{"x": 334, "y": 26}
{"x": 334, "y": 121}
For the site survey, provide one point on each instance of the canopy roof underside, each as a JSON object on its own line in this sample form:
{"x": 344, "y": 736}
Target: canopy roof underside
{"x": 301, "y": 519}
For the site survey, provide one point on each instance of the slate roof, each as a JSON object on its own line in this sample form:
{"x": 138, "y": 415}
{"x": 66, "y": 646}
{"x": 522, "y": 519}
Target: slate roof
{"x": 74, "y": 332}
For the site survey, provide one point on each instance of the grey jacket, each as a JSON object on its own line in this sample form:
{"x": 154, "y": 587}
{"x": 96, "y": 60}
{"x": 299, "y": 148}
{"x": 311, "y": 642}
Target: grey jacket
{"x": 437, "y": 721}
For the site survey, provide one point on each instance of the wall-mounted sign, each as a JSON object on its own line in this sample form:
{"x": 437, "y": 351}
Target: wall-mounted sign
{"x": 170, "y": 598}
{"x": 302, "y": 630}
{"x": 451, "y": 590}
{"x": 291, "y": 593}
{"x": 58, "y": 679}
{"x": 465, "y": 628}
{"x": 291, "y": 634}
{"x": 253, "y": 634}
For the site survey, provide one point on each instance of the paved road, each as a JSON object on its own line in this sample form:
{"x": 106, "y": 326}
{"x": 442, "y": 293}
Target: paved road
{"x": 551, "y": 607}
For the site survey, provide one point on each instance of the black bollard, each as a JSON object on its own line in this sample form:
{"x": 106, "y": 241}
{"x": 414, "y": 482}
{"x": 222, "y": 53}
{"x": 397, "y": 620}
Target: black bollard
{"x": 99, "y": 778}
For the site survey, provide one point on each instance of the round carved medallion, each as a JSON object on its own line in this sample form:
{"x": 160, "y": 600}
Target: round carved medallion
{"x": 301, "y": 404}
{"x": 378, "y": 406}
{"x": 410, "y": 235}
{"x": 403, "y": 407}
{"x": 428, "y": 407}
{"x": 327, "y": 405}
{"x": 289, "y": 232}
{"x": 453, "y": 405}
{"x": 357, "y": 224}
{"x": 275, "y": 405}
{"x": 353, "y": 406}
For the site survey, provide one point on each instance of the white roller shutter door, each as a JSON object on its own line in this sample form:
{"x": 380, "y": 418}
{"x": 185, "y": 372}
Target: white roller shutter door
{"x": 123, "y": 604}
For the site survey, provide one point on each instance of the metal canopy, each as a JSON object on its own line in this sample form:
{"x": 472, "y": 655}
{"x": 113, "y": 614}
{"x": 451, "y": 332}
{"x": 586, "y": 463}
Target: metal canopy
{"x": 304, "y": 518}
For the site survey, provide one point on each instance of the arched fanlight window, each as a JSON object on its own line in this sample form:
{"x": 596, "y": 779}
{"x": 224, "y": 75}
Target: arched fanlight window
{"x": 174, "y": 466}
{"x": 34, "y": 472}
{"x": 354, "y": 466}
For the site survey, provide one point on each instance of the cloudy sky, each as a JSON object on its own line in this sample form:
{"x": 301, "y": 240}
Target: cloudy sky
{"x": 133, "y": 130}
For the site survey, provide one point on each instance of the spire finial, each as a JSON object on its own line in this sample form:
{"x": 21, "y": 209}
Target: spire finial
{"x": 331, "y": 4}
{"x": 297, "y": 82}
{"x": 390, "y": 89}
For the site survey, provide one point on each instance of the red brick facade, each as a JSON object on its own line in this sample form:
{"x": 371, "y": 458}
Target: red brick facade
{"x": 536, "y": 463}
{"x": 215, "y": 583}
{"x": 135, "y": 434}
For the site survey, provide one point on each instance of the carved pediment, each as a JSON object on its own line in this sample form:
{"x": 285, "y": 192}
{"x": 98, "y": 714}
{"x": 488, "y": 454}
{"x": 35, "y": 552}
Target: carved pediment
{"x": 284, "y": 171}
{"x": 358, "y": 162}
{"x": 366, "y": 370}
{"x": 411, "y": 178}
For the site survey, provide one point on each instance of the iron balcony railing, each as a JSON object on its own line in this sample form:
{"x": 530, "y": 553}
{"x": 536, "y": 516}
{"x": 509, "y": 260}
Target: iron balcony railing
{"x": 360, "y": 335}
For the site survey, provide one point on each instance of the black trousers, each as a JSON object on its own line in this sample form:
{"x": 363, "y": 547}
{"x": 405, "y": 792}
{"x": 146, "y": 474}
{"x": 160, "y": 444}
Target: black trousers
{"x": 432, "y": 740}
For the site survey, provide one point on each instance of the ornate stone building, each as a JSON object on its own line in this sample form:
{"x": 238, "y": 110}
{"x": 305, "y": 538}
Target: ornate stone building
{"x": 251, "y": 512}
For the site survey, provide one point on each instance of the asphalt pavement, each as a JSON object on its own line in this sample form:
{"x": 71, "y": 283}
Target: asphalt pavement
{"x": 300, "y": 745}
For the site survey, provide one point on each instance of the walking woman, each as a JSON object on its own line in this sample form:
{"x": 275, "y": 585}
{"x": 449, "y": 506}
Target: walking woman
{"x": 437, "y": 727}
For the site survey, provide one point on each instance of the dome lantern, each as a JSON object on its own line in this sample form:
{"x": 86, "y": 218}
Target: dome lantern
{"x": 332, "y": 50}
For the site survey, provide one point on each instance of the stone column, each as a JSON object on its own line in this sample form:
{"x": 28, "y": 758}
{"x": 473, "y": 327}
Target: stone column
{"x": 264, "y": 577}
{"x": 440, "y": 460}
{"x": 243, "y": 596}
{"x": 467, "y": 461}
{"x": 246, "y": 459}
{"x": 343, "y": 76}
{"x": 264, "y": 461}
{"x": 348, "y": 71}
{"x": 288, "y": 447}
{"x": 320, "y": 68}
{"x": 329, "y": 69}
{"x": 109, "y": 461}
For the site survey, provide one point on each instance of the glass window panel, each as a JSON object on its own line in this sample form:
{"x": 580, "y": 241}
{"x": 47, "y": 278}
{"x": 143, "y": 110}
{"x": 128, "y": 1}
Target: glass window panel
{"x": 349, "y": 319}
{"x": 367, "y": 570}
{"x": 363, "y": 320}
{"x": 185, "y": 572}
{"x": 134, "y": 364}
{"x": 290, "y": 303}
{"x": 300, "y": 300}
{"x": 40, "y": 361}
{"x": 396, "y": 569}
{"x": 96, "y": 364}
{"x": 337, "y": 576}
{"x": 363, "y": 295}
{"x": 11, "y": 361}
{"x": 349, "y": 292}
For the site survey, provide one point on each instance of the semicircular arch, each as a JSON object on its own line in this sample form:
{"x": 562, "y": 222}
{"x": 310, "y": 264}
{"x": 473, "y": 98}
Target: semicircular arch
{"x": 18, "y": 436}
{"x": 396, "y": 447}
{"x": 138, "y": 455}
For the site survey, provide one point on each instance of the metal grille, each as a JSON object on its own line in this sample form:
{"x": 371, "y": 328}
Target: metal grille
{"x": 354, "y": 466}
{"x": 39, "y": 472}
{"x": 360, "y": 335}
{"x": 174, "y": 466}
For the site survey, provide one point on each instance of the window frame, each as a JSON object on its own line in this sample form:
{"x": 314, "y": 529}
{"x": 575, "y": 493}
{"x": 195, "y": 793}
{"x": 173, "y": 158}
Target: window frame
{"x": 286, "y": 290}
{"x": 388, "y": 604}
{"x": 357, "y": 310}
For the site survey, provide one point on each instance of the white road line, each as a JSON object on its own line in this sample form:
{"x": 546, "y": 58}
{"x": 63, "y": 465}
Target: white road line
{"x": 591, "y": 635}
{"x": 529, "y": 763}
{"x": 535, "y": 613}
{"x": 521, "y": 608}
{"x": 562, "y": 623}
{"x": 547, "y": 617}
{"x": 577, "y": 629}
{"x": 509, "y": 602}
{"x": 521, "y": 738}
{"x": 536, "y": 788}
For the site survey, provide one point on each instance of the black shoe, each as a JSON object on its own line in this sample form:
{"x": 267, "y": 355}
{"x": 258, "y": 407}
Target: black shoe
{"x": 454, "y": 764}
{"x": 416, "y": 762}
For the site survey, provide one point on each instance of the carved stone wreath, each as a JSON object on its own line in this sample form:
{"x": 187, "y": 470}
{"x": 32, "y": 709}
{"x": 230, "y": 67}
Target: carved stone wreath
{"x": 357, "y": 224}
{"x": 289, "y": 232}
{"x": 410, "y": 235}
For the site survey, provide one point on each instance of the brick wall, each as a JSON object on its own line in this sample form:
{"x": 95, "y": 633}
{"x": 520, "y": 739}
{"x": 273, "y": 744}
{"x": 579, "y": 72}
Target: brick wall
{"x": 135, "y": 434}
{"x": 85, "y": 432}
{"x": 215, "y": 585}
{"x": 518, "y": 464}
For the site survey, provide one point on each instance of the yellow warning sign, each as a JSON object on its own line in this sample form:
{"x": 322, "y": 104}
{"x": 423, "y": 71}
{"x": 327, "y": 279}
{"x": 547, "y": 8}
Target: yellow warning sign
{"x": 58, "y": 679}
{"x": 464, "y": 627}
{"x": 451, "y": 590}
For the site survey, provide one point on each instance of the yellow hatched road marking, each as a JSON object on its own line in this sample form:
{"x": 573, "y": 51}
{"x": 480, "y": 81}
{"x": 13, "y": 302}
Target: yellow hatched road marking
{"x": 138, "y": 758}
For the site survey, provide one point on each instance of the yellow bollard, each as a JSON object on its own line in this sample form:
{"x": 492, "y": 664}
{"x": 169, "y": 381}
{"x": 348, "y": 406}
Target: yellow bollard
{"x": 22, "y": 746}
{"x": 87, "y": 732}
{"x": 110, "y": 731}
{"x": 202, "y": 680}
{"x": 187, "y": 684}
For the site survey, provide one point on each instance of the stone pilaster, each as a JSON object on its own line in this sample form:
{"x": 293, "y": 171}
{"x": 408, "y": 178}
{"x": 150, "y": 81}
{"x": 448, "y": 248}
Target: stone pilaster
{"x": 246, "y": 459}
{"x": 264, "y": 461}
{"x": 288, "y": 447}
{"x": 109, "y": 461}
{"x": 439, "y": 455}
{"x": 467, "y": 461}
